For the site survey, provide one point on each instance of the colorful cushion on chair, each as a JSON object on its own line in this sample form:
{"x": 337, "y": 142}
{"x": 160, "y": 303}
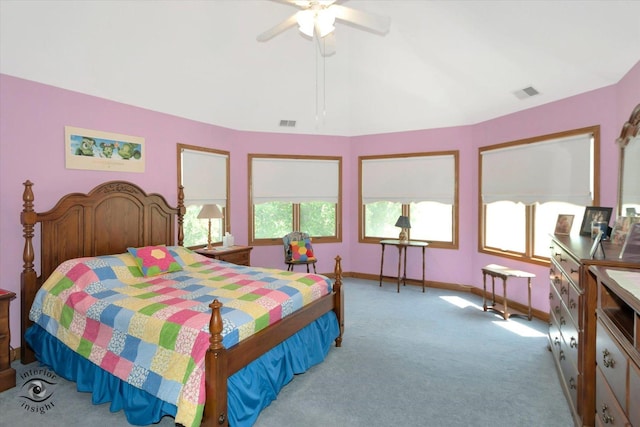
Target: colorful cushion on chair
{"x": 301, "y": 251}
{"x": 154, "y": 260}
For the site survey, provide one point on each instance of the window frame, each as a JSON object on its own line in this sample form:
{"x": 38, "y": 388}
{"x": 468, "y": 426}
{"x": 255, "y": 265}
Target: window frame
{"x": 253, "y": 241}
{"x": 454, "y": 244}
{"x": 225, "y": 220}
{"x": 529, "y": 255}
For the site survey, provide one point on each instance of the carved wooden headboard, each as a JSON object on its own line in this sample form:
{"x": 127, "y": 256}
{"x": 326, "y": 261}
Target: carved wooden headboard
{"x": 107, "y": 220}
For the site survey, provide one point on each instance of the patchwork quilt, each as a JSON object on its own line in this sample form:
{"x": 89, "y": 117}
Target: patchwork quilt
{"x": 152, "y": 332}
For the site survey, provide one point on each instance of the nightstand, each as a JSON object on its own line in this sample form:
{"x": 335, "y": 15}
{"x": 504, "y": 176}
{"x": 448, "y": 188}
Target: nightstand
{"x": 236, "y": 254}
{"x": 7, "y": 373}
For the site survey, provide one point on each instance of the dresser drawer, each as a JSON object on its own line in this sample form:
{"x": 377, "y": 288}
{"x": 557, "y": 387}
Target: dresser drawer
{"x": 555, "y": 302}
{"x": 569, "y": 374}
{"x": 612, "y": 363}
{"x": 633, "y": 403}
{"x": 574, "y": 305}
{"x": 608, "y": 411}
{"x": 570, "y": 266}
{"x": 555, "y": 337}
{"x": 239, "y": 258}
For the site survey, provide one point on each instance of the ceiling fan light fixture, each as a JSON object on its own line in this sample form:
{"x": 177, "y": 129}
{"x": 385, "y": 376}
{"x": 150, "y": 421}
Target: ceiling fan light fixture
{"x": 308, "y": 20}
{"x": 305, "y": 20}
{"x": 325, "y": 20}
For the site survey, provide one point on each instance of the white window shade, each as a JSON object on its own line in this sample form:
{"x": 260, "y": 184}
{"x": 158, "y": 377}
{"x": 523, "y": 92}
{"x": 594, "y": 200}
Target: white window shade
{"x": 294, "y": 180}
{"x": 409, "y": 179}
{"x": 204, "y": 177}
{"x": 631, "y": 173}
{"x": 553, "y": 171}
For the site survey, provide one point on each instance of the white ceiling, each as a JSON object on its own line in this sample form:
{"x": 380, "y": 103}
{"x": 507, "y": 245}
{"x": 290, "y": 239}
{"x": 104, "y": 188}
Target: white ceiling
{"x": 443, "y": 63}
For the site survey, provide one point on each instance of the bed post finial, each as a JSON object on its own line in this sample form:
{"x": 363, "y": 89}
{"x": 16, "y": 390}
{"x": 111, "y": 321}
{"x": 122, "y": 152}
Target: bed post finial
{"x": 181, "y": 211}
{"x": 215, "y": 326}
{"x": 28, "y": 220}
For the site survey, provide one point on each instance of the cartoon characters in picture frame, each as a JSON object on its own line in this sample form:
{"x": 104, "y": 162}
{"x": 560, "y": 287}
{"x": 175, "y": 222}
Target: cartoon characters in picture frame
{"x": 97, "y": 147}
{"x": 97, "y": 150}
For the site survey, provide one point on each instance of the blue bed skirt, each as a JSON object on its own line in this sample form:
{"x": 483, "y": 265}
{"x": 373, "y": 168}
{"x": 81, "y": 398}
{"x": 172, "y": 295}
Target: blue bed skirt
{"x": 250, "y": 390}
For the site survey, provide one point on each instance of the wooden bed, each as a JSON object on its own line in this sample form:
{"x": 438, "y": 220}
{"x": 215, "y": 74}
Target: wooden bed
{"x": 116, "y": 215}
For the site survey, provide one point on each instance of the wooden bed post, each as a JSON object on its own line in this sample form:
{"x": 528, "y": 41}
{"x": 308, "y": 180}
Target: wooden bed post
{"x": 28, "y": 277}
{"x": 338, "y": 298}
{"x": 181, "y": 211}
{"x": 215, "y": 410}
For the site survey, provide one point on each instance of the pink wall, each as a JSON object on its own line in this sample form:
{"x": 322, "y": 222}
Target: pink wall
{"x": 33, "y": 117}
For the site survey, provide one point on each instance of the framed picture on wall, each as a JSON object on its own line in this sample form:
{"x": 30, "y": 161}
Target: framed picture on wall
{"x": 105, "y": 151}
{"x": 591, "y": 214}
{"x": 563, "y": 224}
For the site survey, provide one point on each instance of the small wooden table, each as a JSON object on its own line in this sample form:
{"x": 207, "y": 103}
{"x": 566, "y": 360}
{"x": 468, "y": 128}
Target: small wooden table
{"x": 503, "y": 273}
{"x": 402, "y": 246}
{"x": 236, "y": 254}
{"x": 7, "y": 373}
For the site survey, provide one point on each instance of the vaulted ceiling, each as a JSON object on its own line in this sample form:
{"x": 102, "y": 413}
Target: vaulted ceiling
{"x": 443, "y": 63}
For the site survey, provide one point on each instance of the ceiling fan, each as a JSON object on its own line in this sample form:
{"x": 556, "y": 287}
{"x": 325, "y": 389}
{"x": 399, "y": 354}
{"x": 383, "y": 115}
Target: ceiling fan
{"x": 316, "y": 19}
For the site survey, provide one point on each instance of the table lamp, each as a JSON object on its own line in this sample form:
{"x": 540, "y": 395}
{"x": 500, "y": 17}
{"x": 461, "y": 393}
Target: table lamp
{"x": 209, "y": 212}
{"x": 403, "y": 223}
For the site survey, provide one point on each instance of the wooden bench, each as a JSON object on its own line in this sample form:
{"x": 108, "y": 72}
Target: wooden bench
{"x": 503, "y": 273}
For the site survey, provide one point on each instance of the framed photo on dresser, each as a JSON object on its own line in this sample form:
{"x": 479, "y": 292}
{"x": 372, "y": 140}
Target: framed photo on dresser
{"x": 563, "y": 224}
{"x": 591, "y": 214}
{"x": 631, "y": 247}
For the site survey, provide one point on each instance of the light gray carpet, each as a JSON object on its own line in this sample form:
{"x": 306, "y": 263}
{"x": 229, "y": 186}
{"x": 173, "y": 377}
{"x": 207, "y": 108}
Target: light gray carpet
{"x": 408, "y": 359}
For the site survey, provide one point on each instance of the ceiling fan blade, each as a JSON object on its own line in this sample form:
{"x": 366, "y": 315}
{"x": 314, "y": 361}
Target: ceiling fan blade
{"x": 281, "y": 27}
{"x": 327, "y": 44}
{"x": 376, "y": 23}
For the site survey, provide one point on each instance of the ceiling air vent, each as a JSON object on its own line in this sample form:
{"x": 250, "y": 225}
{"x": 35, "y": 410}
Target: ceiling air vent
{"x": 288, "y": 123}
{"x": 527, "y": 92}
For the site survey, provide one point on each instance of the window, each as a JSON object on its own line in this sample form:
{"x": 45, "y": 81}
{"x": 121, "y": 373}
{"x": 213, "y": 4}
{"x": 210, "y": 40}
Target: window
{"x": 204, "y": 173}
{"x": 525, "y": 185}
{"x": 421, "y": 186}
{"x": 294, "y": 193}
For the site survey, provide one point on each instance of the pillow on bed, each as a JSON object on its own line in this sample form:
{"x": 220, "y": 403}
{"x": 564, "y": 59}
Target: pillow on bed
{"x": 154, "y": 260}
{"x": 302, "y": 251}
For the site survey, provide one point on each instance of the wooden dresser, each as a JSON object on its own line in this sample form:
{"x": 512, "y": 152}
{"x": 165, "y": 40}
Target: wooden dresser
{"x": 572, "y": 319}
{"x": 617, "y": 346}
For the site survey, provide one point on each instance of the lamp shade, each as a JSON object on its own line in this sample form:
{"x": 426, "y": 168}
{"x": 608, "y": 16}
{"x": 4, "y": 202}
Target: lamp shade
{"x": 403, "y": 222}
{"x": 210, "y": 211}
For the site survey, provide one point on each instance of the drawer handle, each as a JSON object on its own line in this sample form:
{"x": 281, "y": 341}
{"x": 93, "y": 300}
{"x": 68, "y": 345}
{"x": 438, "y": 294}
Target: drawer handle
{"x": 562, "y": 355}
{"x": 607, "y": 360}
{"x": 572, "y": 303}
{"x": 550, "y": 295}
{"x": 557, "y": 341}
{"x": 573, "y": 271}
{"x": 557, "y": 309}
{"x": 572, "y": 383}
{"x": 573, "y": 342}
{"x": 606, "y": 417}
{"x": 563, "y": 290}
{"x": 562, "y": 321}
{"x": 557, "y": 281}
